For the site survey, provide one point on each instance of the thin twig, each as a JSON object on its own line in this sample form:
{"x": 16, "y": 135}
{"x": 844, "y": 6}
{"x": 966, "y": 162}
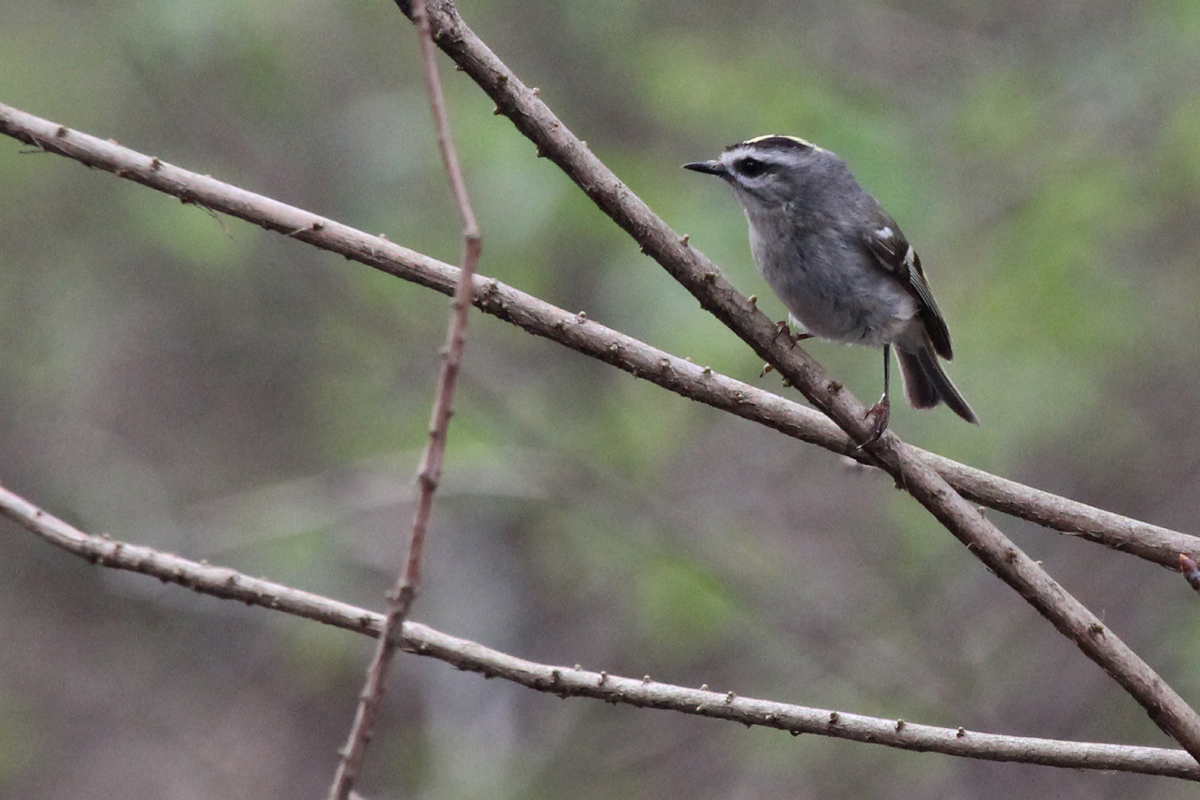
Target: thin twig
{"x": 1151, "y": 542}
{"x": 429, "y": 472}
{"x": 229, "y": 584}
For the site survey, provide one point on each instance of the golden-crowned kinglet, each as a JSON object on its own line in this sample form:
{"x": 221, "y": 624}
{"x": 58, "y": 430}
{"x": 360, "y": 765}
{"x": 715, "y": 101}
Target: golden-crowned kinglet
{"x": 839, "y": 262}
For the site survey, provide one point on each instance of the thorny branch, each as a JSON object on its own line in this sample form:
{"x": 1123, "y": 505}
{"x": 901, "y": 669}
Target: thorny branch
{"x": 577, "y": 682}
{"x": 429, "y": 472}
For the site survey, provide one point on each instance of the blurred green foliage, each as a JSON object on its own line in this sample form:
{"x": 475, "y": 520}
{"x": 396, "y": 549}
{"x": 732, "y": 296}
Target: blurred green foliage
{"x": 185, "y": 381}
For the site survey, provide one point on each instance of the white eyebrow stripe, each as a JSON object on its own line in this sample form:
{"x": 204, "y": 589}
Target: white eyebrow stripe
{"x": 796, "y": 139}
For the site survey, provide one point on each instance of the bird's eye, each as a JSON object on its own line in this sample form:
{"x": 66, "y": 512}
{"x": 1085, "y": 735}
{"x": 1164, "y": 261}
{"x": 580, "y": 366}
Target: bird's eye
{"x": 750, "y": 167}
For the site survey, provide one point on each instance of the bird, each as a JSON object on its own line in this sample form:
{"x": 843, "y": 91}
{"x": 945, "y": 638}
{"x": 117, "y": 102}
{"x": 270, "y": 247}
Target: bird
{"x": 840, "y": 264}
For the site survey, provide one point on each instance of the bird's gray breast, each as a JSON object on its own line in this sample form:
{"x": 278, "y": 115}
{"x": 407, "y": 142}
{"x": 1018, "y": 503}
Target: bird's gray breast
{"x": 829, "y": 282}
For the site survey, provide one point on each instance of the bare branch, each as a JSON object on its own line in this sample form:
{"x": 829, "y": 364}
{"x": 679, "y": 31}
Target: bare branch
{"x": 576, "y": 682}
{"x": 1151, "y": 542}
{"x": 912, "y": 472}
{"x": 429, "y": 471}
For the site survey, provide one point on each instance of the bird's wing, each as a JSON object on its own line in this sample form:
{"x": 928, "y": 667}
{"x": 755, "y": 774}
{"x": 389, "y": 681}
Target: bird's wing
{"x": 898, "y": 258}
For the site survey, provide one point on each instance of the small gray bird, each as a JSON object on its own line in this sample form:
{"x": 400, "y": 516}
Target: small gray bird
{"x": 839, "y": 263}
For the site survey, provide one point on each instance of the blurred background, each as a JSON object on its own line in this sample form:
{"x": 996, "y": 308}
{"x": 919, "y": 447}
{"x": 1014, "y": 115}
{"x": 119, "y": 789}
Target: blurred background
{"x": 198, "y": 385}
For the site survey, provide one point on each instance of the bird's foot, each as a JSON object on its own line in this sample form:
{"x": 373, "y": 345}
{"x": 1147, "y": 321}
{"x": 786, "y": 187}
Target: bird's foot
{"x": 781, "y": 328}
{"x": 878, "y": 415}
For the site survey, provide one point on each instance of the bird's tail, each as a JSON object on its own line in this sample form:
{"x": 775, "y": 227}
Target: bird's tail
{"x": 926, "y": 384}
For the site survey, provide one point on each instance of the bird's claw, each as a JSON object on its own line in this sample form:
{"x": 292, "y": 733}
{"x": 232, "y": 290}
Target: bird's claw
{"x": 878, "y": 414}
{"x": 781, "y": 328}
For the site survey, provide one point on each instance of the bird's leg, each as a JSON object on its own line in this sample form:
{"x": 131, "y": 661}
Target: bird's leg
{"x": 881, "y": 411}
{"x": 781, "y": 327}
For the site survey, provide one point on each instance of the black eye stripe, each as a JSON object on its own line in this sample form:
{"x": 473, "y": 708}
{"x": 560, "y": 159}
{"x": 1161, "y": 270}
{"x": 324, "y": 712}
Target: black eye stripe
{"x": 750, "y": 167}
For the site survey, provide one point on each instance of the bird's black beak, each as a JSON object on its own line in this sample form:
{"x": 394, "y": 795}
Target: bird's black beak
{"x": 708, "y": 168}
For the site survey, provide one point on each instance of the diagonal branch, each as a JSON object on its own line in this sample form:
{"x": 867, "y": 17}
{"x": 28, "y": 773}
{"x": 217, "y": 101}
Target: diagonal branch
{"x": 912, "y": 472}
{"x": 429, "y": 472}
{"x": 576, "y": 682}
{"x": 1151, "y": 542}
